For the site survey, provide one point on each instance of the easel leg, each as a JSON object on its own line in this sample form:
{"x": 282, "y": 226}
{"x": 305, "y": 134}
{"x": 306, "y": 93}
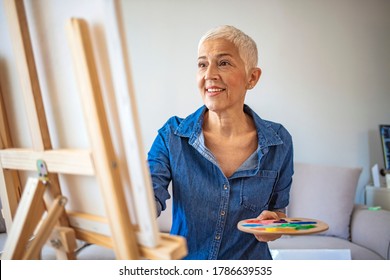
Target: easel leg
{"x": 122, "y": 230}
{"x": 10, "y": 187}
{"x": 27, "y": 217}
{"x": 10, "y": 194}
{"x": 63, "y": 239}
{"x": 44, "y": 231}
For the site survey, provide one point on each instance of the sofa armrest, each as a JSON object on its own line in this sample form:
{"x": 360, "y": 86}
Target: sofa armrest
{"x": 371, "y": 229}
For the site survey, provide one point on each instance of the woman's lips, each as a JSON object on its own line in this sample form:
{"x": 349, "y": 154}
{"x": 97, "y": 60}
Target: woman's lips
{"x": 213, "y": 91}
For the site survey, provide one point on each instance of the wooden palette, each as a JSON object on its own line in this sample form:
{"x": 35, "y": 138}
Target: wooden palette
{"x": 286, "y": 226}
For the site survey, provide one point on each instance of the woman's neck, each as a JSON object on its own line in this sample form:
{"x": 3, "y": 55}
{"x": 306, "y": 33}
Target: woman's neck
{"x": 227, "y": 124}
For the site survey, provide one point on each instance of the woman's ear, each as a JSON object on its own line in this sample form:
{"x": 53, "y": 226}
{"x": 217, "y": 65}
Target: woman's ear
{"x": 254, "y": 77}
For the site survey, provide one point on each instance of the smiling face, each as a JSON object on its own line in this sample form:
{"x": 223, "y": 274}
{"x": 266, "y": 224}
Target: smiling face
{"x": 222, "y": 78}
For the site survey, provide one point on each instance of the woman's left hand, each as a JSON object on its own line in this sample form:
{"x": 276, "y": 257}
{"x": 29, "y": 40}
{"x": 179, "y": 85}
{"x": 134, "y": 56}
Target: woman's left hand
{"x": 269, "y": 215}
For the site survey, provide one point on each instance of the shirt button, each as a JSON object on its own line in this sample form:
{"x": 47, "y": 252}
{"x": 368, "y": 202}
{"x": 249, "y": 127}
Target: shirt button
{"x": 222, "y": 213}
{"x": 217, "y": 237}
{"x": 225, "y": 187}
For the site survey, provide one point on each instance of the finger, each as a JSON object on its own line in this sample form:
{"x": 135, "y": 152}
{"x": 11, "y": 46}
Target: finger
{"x": 267, "y": 238}
{"x": 267, "y": 215}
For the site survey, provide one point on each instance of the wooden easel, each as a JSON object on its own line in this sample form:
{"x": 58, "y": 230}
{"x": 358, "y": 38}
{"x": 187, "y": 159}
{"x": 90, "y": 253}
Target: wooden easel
{"x": 44, "y": 195}
{"x": 29, "y": 224}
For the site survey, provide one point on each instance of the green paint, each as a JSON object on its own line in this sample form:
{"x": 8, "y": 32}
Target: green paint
{"x": 374, "y": 208}
{"x": 297, "y": 227}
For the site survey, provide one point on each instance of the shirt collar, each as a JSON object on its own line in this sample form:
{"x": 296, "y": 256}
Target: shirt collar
{"x": 191, "y": 127}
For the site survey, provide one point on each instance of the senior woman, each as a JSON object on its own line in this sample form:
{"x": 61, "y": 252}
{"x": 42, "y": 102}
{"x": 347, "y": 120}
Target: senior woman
{"x": 225, "y": 163}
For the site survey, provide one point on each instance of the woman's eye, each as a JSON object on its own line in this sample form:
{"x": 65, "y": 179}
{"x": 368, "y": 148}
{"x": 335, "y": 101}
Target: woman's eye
{"x": 224, "y": 63}
{"x": 201, "y": 64}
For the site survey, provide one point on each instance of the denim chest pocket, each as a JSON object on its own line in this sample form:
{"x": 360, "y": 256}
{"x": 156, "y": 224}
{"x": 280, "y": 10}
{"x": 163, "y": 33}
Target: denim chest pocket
{"x": 256, "y": 191}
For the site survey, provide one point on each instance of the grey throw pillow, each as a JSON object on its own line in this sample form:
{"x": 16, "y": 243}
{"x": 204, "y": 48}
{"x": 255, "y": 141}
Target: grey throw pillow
{"x": 326, "y": 193}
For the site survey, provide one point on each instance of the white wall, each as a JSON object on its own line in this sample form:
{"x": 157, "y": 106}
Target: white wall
{"x": 326, "y": 67}
{"x": 325, "y": 64}
{"x": 61, "y": 97}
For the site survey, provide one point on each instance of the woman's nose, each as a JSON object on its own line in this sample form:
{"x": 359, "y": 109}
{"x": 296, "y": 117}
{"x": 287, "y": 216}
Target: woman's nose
{"x": 211, "y": 73}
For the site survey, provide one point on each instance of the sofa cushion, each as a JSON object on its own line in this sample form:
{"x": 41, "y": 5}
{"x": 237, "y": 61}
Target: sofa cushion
{"x": 325, "y": 193}
{"x": 372, "y": 229}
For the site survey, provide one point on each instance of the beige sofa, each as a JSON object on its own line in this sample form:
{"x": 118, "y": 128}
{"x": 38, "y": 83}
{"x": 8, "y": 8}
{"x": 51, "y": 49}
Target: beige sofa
{"x": 327, "y": 193}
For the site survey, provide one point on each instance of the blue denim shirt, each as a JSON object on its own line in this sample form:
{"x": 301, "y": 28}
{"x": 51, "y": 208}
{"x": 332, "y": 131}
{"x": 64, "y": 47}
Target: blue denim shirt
{"x": 206, "y": 204}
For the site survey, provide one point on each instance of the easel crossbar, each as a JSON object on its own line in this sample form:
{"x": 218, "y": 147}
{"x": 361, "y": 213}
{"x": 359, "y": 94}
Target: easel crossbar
{"x": 64, "y": 161}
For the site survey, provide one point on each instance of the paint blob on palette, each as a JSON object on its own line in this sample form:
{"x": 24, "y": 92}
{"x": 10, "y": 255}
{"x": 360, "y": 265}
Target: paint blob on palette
{"x": 288, "y": 226}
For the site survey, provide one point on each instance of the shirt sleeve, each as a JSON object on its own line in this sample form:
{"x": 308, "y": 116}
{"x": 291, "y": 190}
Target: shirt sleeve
{"x": 281, "y": 195}
{"x": 160, "y": 170}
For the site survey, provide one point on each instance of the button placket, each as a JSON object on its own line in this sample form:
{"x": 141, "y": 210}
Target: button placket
{"x": 221, "y": 221}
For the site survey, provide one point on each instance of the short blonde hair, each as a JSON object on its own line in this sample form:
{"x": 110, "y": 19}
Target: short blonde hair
{"x": 246, "y": 45}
